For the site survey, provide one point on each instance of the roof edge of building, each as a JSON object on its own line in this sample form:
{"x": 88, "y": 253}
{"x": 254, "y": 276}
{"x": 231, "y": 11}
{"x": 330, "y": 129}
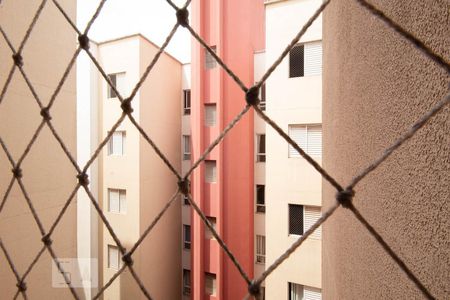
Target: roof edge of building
{"x": 139, "y": 35}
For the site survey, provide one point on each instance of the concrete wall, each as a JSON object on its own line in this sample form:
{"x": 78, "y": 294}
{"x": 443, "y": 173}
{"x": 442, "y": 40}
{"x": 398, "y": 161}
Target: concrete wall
{"x": 376, "y": 85}
{"x": 48, "y": 176}
{"x": 290, "y": 180}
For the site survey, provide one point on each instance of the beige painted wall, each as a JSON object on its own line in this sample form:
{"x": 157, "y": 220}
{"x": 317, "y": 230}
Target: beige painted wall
{"x": 376, "y": 85}
{"x": 48, "y": 175}
{"x": 290, "y": 180}
{"x": 148, "y": 182}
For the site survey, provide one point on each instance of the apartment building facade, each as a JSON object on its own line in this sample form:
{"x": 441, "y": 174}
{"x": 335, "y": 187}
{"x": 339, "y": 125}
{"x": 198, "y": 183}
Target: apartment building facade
{"x": 279, "y": 184}
{"x": 48, "y": 176}
{"x": 186, "y": 163}
{"x": 134, "y": 183}
{"x": 223, "y": 185}
{"x": 293, "y": 187}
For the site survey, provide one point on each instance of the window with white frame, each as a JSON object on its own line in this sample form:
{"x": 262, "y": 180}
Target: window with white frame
{"x": 300, "y": 292}
{"x": 113, "y": 257}
{"x": 210, "y": 61}
{"x": 305, "y": 59}
{"x": 260, "y": 249}
{"x": 117, "y": 202}
{"x": 260, "y": 147}
{"x": 186, "y": 282}
{"x": 210, "y": 171}
{"x": 116, "y": 144}
{"x": 185, "y": 200}
{"x": 260, "y": 198}
{"x": 186, "y": 147}
{"x": 308, "y": 138}
{"x": 210, "y": 115}
{"x": 210, "y": 284}
{"x": 187, "y": 102}
{"x": 262, "y": 103}
{"x": 208, "y": 233}
{"x": 301, "y": 218}
{"x": 118, "y": 81}
{"x": 187, "y": 237}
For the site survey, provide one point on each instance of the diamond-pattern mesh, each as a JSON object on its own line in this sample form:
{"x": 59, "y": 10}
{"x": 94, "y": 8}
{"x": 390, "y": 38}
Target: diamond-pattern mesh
{"x": 343, "y": 198}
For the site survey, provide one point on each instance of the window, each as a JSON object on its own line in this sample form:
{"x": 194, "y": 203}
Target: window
{"x": 186, "y": 147}
{"x": 116, "y": 144}
{"x": 208, "y": 233}
{"x": 210, "y": 115}
{"x": 295, "y": 219}
{"x": 262, "y": 103}
{"x": 312, "y": 214}
{"x": 187, "y": 102}
{"x": 117, "y": 202}
{"x": 300, "y": 292}
{"x": 305, "y": 60}
{"x": 117, "y": 81}
{"x": 210, "y": 284}
{"x": 296, "y": 58}
{"x": 113, "y": 257}
{"x": 185, "y": 200}
{"x": 187, "y": 237}
{"x": 186, "y": 282}
{"x": 210, "y": 171}
{"x": 261, "y": 148}
{"x": 260, "y": 199}
{"x": 210, "y": 61}
{"x": 307, "y": 137}
{"x": 301, "y": 218}
{"x": 260, "y": 249}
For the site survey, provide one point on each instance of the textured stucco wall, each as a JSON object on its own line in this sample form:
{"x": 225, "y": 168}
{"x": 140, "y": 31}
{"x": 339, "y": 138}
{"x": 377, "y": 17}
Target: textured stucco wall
{"x": 376, "y": 85}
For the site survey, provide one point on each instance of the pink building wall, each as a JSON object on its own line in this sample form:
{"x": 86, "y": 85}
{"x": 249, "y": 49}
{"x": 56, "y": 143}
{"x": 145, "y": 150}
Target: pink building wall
{"x": 236, "y": 29}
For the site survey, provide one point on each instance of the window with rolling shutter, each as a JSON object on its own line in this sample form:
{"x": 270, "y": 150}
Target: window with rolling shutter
{"x": 295, "y": 219}
{"x": 186, "y": 282}
{"x": 113, "y": 257}
{"x": 305, "y": 59}
{"x": 117, "y": 202}
{"x": 187, "y": 102}
{"x": 210, "y": 115}
{"x": 210, "y": 61}
{"x": 210, "y": 171}
{"x": 300, "y": 292}
{"x": 260, "y": 249}
{"x": 116, "y": 144}
{"x": 186, "y": 147}
{"x": 208, "y": 233}
{"x": 186, "y": 237}
{"x": 118, "y": 81}
{"x": 310, "y": 293}
{"x": 313, "y": 58}
{"x": 311, "y": 215}
{"x": 261, "y": 148}
{"x": 210, "y": 284}
{"x": 308, "y": 137}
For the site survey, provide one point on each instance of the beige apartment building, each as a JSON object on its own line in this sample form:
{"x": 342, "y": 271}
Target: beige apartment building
{"x": 134, "y": 183}
{"x": 376, "y": 85}
{"x": 186, "y": 157}
{"x": 293, "y": 189}
{"x": 48, "y": 176}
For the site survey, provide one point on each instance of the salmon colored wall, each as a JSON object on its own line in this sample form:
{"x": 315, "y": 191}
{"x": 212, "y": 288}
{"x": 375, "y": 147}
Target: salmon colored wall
{"x": 231, "y": 27}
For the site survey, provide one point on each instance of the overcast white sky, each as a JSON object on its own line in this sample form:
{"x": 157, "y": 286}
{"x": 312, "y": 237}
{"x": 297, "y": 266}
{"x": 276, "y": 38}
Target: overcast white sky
{"x": 153, "y": 18}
